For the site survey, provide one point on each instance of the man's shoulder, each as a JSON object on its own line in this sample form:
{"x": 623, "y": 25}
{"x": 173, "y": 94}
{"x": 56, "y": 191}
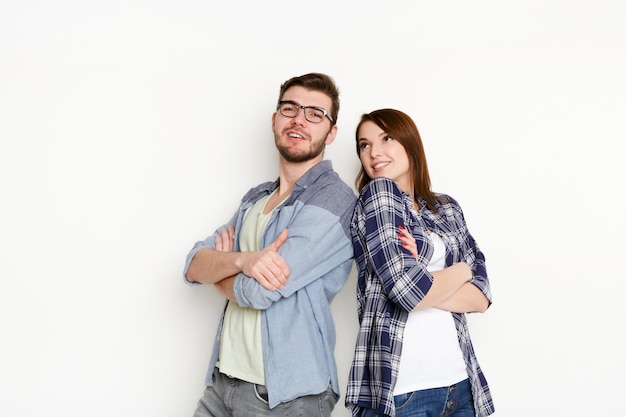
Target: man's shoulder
{"x": 332, "y": 193}
{"x": 256, "y": 192}
{"x": 333, "y": 181}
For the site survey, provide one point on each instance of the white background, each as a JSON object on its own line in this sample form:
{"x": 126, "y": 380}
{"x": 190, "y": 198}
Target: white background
{"x": 131, "y": 128}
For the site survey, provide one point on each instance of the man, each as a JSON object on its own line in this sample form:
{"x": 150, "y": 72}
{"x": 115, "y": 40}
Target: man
{"x": 280, "y": 261}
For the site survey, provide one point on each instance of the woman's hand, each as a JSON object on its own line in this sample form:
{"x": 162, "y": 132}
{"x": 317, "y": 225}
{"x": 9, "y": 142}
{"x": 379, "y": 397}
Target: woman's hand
{"x": 408, "y": 241}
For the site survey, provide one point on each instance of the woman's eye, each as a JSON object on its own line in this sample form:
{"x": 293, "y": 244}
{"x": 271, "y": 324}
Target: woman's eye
{"x": 388, "y": 138}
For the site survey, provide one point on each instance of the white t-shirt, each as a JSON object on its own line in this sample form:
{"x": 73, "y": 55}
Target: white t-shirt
{"x": 431, "y": 355}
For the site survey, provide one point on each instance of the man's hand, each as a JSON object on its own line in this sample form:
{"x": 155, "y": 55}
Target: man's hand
{"x": 267, "y": 266}
{"x": 224, "y": 242}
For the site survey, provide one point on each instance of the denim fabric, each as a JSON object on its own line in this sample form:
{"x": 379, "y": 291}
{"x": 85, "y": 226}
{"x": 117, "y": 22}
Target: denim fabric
{"x": 232, "y": 397}
{"x": 452, "y": 401}
{"x": 298, "y": 331}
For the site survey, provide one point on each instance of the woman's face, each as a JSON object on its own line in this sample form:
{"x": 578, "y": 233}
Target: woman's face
{"x": 383, "y": 156}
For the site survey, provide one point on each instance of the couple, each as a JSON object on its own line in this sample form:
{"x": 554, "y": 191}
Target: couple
{"x": 288, "y": 251}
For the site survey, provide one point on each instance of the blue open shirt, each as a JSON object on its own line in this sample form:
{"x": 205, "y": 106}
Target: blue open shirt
{"x": 298, "y": 332}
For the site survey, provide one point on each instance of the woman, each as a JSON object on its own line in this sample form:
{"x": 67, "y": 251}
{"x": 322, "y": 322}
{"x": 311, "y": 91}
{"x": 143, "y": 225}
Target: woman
{"x": 420, "y": 270}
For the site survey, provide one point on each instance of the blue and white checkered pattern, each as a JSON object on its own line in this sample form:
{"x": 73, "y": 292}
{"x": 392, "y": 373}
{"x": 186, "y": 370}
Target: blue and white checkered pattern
{"x": 392, "y": 282}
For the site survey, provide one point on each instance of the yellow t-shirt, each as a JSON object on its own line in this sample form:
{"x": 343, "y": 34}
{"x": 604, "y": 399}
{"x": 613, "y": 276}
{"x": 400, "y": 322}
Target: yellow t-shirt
{"x": 241, "y": 351}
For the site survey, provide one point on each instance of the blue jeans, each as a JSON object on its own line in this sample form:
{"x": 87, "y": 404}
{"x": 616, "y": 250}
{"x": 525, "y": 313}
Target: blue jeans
{"x": 232, "y": 397}
{"x": 453, "y": 401}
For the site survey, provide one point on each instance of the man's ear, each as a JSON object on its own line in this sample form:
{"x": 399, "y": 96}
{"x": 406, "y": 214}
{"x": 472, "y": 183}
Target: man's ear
{"x": 332, "y": 134}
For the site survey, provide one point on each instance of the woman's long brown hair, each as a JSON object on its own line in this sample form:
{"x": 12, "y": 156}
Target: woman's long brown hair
{"x": 402, "y": 128}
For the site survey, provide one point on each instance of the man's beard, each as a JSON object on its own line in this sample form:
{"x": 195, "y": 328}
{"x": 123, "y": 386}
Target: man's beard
{"x": 301, "y": 156}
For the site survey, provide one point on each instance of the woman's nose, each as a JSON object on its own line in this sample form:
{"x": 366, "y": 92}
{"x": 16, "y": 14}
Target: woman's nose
{"x": 375, "y": 150}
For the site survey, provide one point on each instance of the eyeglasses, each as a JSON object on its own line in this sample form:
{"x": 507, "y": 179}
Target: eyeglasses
{"x": 311, "y": 113}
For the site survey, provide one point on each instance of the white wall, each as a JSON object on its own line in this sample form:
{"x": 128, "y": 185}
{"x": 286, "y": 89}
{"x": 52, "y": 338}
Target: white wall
{"x": 130, "y": 129}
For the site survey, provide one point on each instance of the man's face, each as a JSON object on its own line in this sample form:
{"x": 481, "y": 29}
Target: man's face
{"x": 297, "y": 139}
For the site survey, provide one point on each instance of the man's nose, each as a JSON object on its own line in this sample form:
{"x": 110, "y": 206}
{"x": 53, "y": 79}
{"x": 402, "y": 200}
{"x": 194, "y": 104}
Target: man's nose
{"x": 300, "y": 119}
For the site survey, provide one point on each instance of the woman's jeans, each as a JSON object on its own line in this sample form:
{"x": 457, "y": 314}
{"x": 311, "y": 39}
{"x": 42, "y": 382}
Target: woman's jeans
{"x": 453, "y": 401}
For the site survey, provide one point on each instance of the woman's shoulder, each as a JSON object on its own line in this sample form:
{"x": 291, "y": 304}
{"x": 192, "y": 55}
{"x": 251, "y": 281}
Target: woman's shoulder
{"x": 445, "y": 199}
{"x": 380, "y": 185}
{"x": 382, "y": 195}
{"x": 447, "y": 206}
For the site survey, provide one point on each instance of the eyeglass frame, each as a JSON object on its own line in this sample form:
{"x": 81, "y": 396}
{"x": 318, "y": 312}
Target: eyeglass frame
{"x": 300, "y": 108}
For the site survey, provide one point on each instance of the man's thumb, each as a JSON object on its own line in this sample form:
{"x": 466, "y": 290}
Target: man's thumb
{"x": 282, "y": 237}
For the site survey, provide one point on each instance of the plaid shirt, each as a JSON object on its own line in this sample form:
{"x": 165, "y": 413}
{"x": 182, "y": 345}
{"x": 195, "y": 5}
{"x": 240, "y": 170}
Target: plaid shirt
{"x": 391, "y": 282}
